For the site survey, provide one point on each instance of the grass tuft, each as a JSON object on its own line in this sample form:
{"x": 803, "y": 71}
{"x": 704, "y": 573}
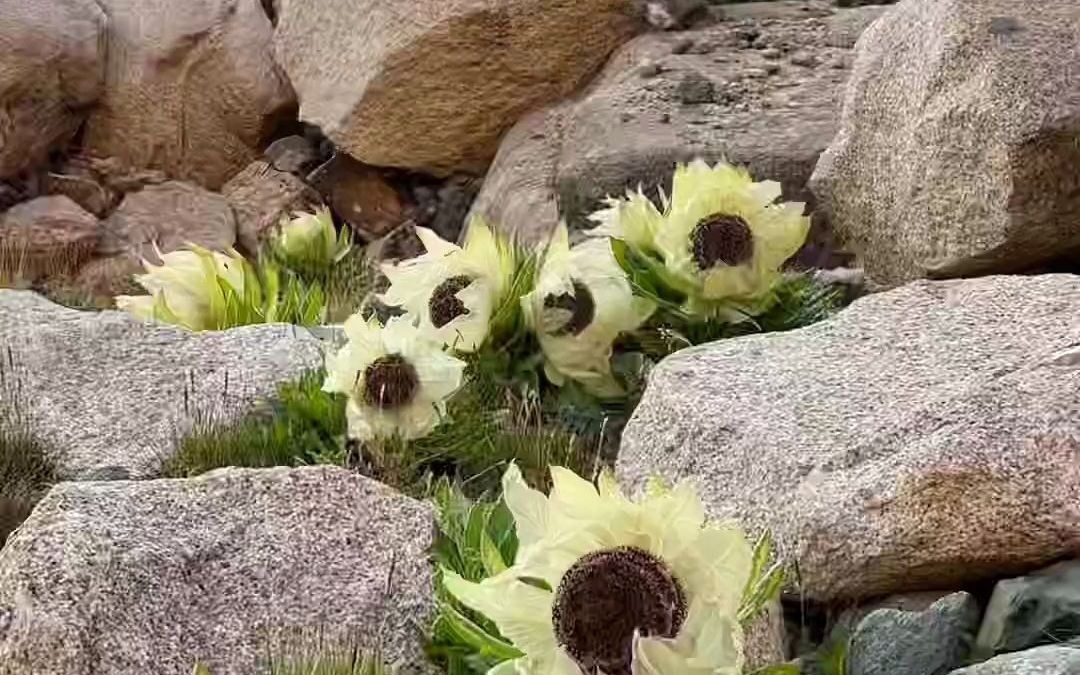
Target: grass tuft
{"x": 26, "y": 472}
{"x": 302, "y": 425}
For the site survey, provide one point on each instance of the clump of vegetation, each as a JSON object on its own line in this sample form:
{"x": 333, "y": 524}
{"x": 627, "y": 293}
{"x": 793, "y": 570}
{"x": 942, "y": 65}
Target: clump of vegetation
{"x": 342, "y": 661}
{"x": 26, "y": 471}
{"x": 301, "y": 425}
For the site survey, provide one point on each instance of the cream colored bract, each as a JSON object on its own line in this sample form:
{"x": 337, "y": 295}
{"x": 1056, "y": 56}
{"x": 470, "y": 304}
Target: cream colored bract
{"x": 396, "y": 377}
{"x": 581, "y": 303}
{"x": 310, "y": 239}
{"x": 185, "y": 288}
{"x": 559, "y": 536}
{"x": 722, "y": 238}
{"x": 453, "y": 291}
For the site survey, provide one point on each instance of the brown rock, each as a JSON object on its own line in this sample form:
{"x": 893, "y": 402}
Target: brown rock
{"x": 102, "y": 279}
{"x": 359, "y": 195}
{"x": 626, "y": 131}
{"x": 170, "y": 214}
{"x": 957, "y": 150}
{"x": 260, "y": 195}
{"x": 52, "y": 68}
{"x": 192, "y": 89}
{"x": 432, "y": 84}
{"x": 45, "y": 236}
{"x": 79, "y": 182}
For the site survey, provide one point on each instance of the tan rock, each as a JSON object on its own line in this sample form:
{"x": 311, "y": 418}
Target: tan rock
{"x": 926, "y": 437}
{"x": 191, "y": 89}
{"x": 360, "y": 195}
{"x": 668, "y": 97}
{"x": 170, "y": 215}
{"x": 45, "y": 236}
{"x": 260, "y": 195}
{"x": 102, "y": 279}
{"x": 957, "y": 151}
{"x": 432, "y": 84}
{"x": 52, "y": 68}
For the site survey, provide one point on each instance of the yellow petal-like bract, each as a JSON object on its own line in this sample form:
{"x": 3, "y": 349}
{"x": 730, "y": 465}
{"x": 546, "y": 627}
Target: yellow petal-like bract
{"x": 397, "y": 378}
{"x": 582, "y": 301}
{"x": 454, "y": 291}
{"x": 590, "y": 547}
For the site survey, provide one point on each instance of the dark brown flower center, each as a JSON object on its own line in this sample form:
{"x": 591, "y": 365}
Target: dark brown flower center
{"x": 721, "y": 239}
{"x": 608, "y": 595}
{"x": 569, "y": 313}
{"x": 444, "y": 304}
{"x": 390, "y": 382}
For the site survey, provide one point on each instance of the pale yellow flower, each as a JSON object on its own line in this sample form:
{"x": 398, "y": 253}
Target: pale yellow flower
{"x": 311, "y": 239}
{"x": 603, "y": 583}
{"x": 185, "y": 289}
{"x": 581, "y": 303}
{"x": 725, "y": 237}
{"x": 454, "y": 291}
{"x": 397, "y": 379}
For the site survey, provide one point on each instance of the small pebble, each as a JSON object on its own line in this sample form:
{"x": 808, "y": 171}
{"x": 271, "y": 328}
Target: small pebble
{"x": 682, "y": 46}
{"x": 805, "y": 59}
{"x": 772, "y": 68}
{"x": 771, "y": 53}
{"x": 755, "y": 73}
{"x": 650, "y": 70}
{"x": 665, "y": 118}
{"x": 626, "y": 117}
{"x": 695, "y": 88}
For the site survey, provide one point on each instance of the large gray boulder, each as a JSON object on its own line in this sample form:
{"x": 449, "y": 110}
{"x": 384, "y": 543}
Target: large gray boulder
{"x": 762, "y": 88}
{"x": 958, "y": 148}
{"x": 924, "y": 438}
{"x": 141, "y": 577}
{"x": 112, "y": 395}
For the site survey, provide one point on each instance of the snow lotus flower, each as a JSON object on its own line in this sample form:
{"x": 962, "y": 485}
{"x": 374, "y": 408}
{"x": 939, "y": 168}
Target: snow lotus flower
{"x": 581, "y": 303}
{"x": 603, "y": 584}
{"x": 453, "y": 291}
{"x": 309, "y": 240}
{"x": 725, "y": 236}
{"x": 396, "y": 377}
{"x": 188, "y": 288}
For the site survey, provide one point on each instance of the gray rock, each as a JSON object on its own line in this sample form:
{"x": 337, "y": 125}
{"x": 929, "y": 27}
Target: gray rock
{"x": 1038, "y": 609}
{"x": 140, "y": 577}
{"x": 925, "y": 437}
{"x": 111, "y": 392}
{"x": 932, "y": 642}
{"x": 956, "y": 154}
{"x": 563, "y": 160}
{"x": 1053, "y": 660}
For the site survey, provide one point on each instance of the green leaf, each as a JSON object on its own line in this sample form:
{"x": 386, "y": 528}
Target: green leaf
{"x": 454, "y": 626}
{"x": 778, "y": 669}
